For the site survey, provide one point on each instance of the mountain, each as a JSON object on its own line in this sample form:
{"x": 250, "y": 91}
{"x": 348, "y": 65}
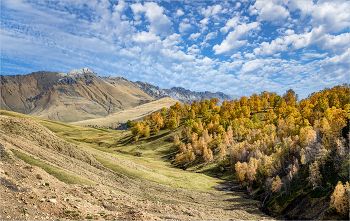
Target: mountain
{"x": 78, "y": 95}
{"x": 181, "y": 94}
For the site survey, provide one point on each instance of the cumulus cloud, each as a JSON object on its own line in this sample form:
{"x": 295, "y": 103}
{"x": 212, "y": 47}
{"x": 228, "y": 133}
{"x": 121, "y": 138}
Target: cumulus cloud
{"x": 231, "y": 23}
{"x": 159, "y": 22}
{"x": 194, "y": 36}
{"x": 145, "y": 37}
{"x": 179, "y": 13}
{"x": 269, "y": 11}
{"x": 183, "y": 27}
{"x": 232, "y": 40}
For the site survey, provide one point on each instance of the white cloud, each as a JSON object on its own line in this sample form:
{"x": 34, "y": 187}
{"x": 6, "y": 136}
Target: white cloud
{"x": 172, "y": 40}
{"x": 332, "y": 44}
{"x": 145, "y": 37}
{"x": 253, "y": 65}
{"x": 309, "y": 55}
{"x": 289, "y": 32}
{"x": 210, "y": 36}
{"x": 212, "y": 10}
{"x": 176, "y": 56}
{"x": 237, "y": 55}
{"x": 232, "y": 40}
{"x": 204, "y": 21}
{"x": 194, "y": 36}
{"x": 159, "y": 22}
{"x": 269, "y": 11}
{"x": 237, "y": 6}
{"x": 194, "y": 49}
{"x": 249, "y": 55}
{"x": 179, "y": 13}
{"x": 183, "y": 27}
{"x": 231, "y": 23}
{"x": 334, "y": 16}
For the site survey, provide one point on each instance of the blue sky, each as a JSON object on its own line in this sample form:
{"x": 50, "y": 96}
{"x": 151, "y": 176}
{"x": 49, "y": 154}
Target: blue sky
{"x": 236, "y": 47}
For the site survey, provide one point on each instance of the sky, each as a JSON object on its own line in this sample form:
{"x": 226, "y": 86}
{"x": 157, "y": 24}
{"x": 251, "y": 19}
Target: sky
{"x": 236, "y": 47}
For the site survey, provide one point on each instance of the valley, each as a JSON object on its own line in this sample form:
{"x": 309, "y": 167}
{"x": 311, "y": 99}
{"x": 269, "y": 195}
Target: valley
{"x": 54, "y": 170}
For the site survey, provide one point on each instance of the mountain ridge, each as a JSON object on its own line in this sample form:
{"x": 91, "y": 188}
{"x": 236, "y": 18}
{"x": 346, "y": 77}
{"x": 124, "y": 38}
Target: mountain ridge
{"x": 181, "y": 94}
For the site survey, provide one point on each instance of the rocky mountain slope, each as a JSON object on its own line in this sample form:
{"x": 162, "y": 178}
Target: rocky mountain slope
{"x": 78, "y": 95}
{"x": 181, "y": 94}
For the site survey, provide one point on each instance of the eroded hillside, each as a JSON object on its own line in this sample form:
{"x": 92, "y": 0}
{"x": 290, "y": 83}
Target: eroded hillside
{"x": 78, "y": 95}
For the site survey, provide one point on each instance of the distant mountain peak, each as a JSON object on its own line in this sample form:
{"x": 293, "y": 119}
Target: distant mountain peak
{"x": 117, "y": 78}
{"x": 81, "y": 72}
{"x": 182, "y": 94}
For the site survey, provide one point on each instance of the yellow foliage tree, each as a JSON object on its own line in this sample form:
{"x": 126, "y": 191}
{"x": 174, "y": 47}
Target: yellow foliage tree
{"x": 315, "y": 176}
{"x": 340, "y": 198}
{"x": 276, "y": 184}
{"x": 241, "y": 170}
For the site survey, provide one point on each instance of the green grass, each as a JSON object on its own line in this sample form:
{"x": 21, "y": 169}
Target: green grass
{"x": 69, "y": 132}
{"x": 285, "y": 199}
{"x": 161, "y": 172}
{"x": 60, "y": 174}
{"x": 318, "y": 193}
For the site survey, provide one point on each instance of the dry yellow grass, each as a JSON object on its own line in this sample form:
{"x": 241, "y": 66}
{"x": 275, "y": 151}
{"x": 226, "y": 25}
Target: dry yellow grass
{"x": 130, "y": 114}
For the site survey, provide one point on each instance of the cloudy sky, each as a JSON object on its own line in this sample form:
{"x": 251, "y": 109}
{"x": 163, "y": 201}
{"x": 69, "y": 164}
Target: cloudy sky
{"x": 235, "y": 47}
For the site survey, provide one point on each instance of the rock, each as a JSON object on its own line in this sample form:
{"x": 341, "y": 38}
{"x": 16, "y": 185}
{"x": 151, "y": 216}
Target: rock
{"x": 52, "y": 200}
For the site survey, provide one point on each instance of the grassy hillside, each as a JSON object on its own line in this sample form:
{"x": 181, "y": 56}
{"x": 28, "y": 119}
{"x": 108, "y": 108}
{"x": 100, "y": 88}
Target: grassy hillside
{"x": 135, "y": 113}
{"x": 156, "y": 187}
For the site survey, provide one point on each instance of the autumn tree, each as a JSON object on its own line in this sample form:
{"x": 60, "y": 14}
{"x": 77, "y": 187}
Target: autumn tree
{"x": 137, "y": 130}
{"x": 277, "y": 101}
{"x": 315, "y": 177}
{"x": 251, "y": 170}
{"x": 270, "y": 116}
{"x": 340, "y": 198}
{"x": 222, "y": 152}
{"x": 163, "y": 111}
{"x": 207, "y": 154}
{"x": 176, "y": 141}
{"x": 241, "y": 170}
{"x": 290, "y": 97}
{"x": 129, "y": 124}
{"x": 171, "y": 124}
{"x": 276, "y": 184}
